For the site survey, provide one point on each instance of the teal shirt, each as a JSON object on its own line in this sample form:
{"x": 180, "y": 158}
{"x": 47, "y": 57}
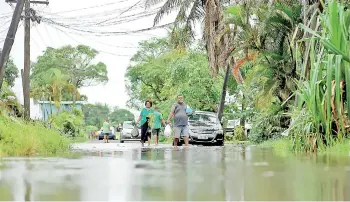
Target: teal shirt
{"x": 157, "y": 122}
{"x": 144, "y": 113}
{"x": 105, "y": 127}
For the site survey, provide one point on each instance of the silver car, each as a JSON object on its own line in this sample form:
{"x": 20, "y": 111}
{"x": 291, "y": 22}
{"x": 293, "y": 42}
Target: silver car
{"x": 125, "y": 133}
{"x": 205, "y": 129}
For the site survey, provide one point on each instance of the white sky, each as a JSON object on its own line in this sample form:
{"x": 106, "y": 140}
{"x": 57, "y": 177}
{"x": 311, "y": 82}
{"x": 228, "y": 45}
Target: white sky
{"x": 113, "y": 93}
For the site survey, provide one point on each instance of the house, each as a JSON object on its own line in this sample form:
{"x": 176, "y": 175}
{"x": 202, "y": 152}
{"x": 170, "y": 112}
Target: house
{"x": 45, "y": 109}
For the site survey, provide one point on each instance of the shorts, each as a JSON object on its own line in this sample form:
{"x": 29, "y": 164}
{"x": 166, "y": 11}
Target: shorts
{"x": 180, "y": 131}
{"x": 156, "y": 131}
{"x": 144, "y": 132}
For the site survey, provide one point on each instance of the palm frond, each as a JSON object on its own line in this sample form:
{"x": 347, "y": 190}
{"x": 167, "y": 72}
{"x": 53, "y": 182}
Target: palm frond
{"x": 168, "y": 7}
{"x": 149, "y": 3}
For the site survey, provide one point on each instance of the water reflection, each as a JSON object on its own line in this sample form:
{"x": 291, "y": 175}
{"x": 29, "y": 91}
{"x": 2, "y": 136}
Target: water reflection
{"x": 231, "y": 173}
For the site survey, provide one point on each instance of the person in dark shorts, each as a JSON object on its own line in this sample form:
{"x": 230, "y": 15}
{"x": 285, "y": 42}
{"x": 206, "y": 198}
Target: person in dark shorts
{"x": 178, "y": 111}
{"x": 106, "y": 130}
{"x": 143, "y": 121}
{"x": 157, "y": 121}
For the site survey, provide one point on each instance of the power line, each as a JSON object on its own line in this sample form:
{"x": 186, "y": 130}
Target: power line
{"x": 80, "y": 21}
{"x": 96, "y": 49}
{"x": 86, "y": 8}
{"x": 104, "y": 33}
{"x": 37, "y": 30}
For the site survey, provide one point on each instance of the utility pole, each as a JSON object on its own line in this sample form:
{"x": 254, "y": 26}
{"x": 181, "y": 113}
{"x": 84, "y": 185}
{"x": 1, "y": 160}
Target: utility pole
{"x": 29, "y": 14}
{"x": 10, "y": 38}
{"x": 26, "y": 67}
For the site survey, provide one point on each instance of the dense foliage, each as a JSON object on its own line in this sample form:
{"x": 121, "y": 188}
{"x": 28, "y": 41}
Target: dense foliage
{"x": 65, "y": 70}
{"x": 158, "y": 72}
{"x": 289, "y": 61}
{"x": 19, "y": 138}
{"x": 11, "y": 72}
{"x": 96, "y": 114}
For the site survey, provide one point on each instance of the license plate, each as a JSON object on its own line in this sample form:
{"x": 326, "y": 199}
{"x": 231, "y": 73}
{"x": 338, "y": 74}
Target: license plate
{"x": 202, "y": 137}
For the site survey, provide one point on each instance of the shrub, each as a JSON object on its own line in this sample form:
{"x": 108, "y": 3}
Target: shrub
{"x": 69, "y": 123}
{"x": 239, "y": 133}
{"x": 19, "y": 138}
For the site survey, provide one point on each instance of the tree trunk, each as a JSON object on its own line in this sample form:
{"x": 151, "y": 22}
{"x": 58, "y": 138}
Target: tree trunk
{"x": 223, "y": 92}
{"x": 242, "y": 121}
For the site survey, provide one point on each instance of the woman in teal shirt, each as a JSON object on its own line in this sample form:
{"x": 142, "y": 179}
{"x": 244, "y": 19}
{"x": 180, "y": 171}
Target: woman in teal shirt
{"x": 143, "y": 120}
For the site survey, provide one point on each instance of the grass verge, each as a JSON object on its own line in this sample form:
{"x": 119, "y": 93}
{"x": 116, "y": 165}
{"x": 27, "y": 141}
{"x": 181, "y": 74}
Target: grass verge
{"x": 19, "y": 138}
{"x": 285, "y": 146}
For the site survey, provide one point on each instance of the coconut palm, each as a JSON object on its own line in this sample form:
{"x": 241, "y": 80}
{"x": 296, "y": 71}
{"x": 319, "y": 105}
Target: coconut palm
{"x": 53, "y": 84}
{"x": 190, "y": 12}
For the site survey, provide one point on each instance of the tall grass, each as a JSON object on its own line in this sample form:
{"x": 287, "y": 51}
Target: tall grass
{"x": 19, "y": 138}
{"x": 325, "y": 109}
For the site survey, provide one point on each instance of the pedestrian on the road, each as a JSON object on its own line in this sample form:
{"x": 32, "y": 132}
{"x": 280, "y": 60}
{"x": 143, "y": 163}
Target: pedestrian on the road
{"x": 106, "y": 130}
{"x": 178, "y": 111}
{"x": 143, "y": 122}
{"x": 157, "y": 124}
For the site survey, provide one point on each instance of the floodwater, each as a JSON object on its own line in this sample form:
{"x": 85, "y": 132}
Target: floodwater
{"x": 229, "y": 173}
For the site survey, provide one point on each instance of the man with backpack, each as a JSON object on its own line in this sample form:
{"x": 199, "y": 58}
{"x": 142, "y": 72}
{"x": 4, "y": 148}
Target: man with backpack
{"x": 178, "y": 111}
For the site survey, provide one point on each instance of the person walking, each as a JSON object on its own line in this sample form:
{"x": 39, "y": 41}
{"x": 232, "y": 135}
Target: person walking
{"x": 178, "y": 111}
{"x": 143, "y": 122}
{"x": 157, "y": 123}
{"x": 106, "y": 130}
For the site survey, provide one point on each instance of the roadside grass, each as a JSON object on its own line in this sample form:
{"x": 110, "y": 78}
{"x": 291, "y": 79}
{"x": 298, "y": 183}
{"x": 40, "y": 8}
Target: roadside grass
{"x": 285, "y": 146}
{"x": 338, "y": 148}
{"x": 282, "y": 146}
{"x": 20, "y": 138}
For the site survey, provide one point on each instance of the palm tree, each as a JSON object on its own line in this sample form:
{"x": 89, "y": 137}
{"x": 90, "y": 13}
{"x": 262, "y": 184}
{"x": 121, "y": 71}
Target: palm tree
{"x": 54, "y": 83}
{"x": 190, "y": 12}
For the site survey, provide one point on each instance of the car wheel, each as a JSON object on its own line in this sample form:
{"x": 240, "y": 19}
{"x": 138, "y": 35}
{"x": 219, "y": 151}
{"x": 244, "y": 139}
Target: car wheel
{"x": 220, "y": 143}
{"x": 120, "y": 139}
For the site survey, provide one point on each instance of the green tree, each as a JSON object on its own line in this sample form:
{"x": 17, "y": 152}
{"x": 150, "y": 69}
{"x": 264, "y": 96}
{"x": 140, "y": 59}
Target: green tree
{"x": 11, "y": 72}
{"x": 189, "y": 13}
{"x": 75, "y": 63}
{"x": 95, "y": 114}
{"x": 51, "y": 86}
{"x": 162, "y": 77}
{"x": 120, "y": 115}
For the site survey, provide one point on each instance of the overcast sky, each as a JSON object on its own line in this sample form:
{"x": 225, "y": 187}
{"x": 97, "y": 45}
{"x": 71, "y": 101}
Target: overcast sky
{"x": 43, "y": 35}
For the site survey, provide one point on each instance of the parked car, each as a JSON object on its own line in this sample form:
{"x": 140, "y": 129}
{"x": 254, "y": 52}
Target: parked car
{"x": 231, "y": 125}
{"x": 125, "y": 133}
{"x": 204, "y": 128}
{"x": 111, "y": 135}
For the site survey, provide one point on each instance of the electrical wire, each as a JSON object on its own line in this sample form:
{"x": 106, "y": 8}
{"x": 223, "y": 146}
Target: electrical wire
{"x": 42, "y": 39}
{"x": 119, "y": 55}
{"x": 86, "y": 8}
{"x": 104, "y": 33}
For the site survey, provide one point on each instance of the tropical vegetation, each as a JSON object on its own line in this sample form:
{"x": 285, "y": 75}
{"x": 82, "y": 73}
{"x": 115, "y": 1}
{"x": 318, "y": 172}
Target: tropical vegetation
{"x": 288, "y": 62}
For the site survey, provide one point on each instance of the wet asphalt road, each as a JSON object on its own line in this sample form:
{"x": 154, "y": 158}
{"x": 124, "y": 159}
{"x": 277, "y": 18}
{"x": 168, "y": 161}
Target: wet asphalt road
{"x": 127, "y": 172}
{"x": 114, "y": 145}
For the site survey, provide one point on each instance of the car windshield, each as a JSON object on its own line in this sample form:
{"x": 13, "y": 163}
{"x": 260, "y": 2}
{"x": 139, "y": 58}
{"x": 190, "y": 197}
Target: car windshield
{"x": 207, "y": 118}
{"x": 128, "y": 125}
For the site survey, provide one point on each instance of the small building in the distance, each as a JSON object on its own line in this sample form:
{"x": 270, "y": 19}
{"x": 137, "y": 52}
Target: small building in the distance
{"x": 45, "y": 109}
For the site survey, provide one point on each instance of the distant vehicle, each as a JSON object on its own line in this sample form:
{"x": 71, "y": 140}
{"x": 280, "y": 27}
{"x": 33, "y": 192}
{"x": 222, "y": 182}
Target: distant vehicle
{"x": 111, "y": 135}
{"x": 204, "y": 128}
{"x": 231, "y": 124}
{"x": 125, "y": 133}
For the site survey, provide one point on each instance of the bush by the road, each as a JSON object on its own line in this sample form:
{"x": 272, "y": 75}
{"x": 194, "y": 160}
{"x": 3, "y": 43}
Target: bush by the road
{"x": 19, "y": 138}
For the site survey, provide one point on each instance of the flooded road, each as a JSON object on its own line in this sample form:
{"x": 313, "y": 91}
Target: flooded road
{"x": 125, "y": 172}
